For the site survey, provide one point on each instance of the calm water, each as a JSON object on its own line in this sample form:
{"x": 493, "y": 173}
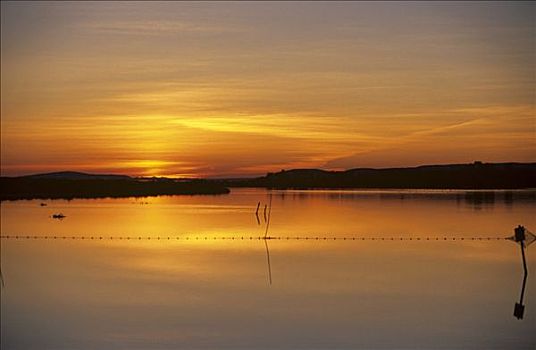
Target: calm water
{"x": 170, "y": 294}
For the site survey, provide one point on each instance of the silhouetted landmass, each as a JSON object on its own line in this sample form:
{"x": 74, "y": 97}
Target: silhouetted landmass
{"x": 477, "y": 175}
{"x": 455, "y": 176}
{"x": 32, "y": 187}
{"x": 75, "y": 175}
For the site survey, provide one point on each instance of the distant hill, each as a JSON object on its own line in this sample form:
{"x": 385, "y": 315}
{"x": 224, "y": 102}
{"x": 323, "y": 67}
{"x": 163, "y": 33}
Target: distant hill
{"x": 74, "y": 175}
{"x": 68, "y": 185}
{"x": 453, "y": 176}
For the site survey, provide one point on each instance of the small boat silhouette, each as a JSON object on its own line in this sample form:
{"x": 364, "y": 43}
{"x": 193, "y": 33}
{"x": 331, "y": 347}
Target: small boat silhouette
{"x": 59, "y": 216}
{"x": 43, "y": 204}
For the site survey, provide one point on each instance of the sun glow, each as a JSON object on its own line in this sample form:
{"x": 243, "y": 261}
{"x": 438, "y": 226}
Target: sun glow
{"x": 165, "y": 94}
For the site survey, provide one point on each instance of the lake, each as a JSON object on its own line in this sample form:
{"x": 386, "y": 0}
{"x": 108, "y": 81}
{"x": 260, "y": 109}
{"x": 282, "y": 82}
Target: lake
{"x": 202, "y": 280}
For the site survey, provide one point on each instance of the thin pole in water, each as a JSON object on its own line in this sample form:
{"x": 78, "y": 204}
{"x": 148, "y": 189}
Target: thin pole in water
{"x": 257, "y": 213}
{"x": 269, "y": 214}
{"x": 519, "y": 237}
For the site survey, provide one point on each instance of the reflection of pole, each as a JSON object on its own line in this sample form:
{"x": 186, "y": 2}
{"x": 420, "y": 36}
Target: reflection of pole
{"x": 525, "y": 274}
{"x": 1, "y": 275}
{"x": 266, "y": 237}
{"x": 268, "y": 257}
{"x": 519, "y": 308}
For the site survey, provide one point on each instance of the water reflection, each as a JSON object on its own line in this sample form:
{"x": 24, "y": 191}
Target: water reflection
{"x": 265, "y": 238}
{"x": 257, "y": 214}
{"x": 524, "y": 238}
{"x": 268, "y": 261}
{"x": 478, "y": 199}
{"x": 219, "y": 293}
{"x": 519, "y": 308}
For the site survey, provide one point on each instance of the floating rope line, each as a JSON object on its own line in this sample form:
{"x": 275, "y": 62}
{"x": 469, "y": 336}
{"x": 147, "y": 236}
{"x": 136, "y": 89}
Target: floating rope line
{"x": 521, "y": 236}
{"x": 244, "y": 238}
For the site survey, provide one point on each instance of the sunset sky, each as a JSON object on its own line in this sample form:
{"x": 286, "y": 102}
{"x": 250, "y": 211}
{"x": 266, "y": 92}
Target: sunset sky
{"x": 240, "y": 89}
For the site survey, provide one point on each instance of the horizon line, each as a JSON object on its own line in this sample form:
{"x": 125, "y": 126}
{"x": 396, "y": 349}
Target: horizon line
{"x": 247, "y": 176}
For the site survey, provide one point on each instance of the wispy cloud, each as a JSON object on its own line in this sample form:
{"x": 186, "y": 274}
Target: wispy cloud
{"x": 213, "y": 87}
{"x": 154, "y": 27}
{"x": 480, "y": 131}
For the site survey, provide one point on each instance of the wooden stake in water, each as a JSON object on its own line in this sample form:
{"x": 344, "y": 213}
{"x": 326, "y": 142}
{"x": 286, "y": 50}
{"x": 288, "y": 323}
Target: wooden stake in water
{"x": 520, "y": 237}
{"x": 257, "y": 213}
{"x": 266, "y": 241}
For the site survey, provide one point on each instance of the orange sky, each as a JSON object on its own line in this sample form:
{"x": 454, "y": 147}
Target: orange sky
{"x": 227, "y": 89}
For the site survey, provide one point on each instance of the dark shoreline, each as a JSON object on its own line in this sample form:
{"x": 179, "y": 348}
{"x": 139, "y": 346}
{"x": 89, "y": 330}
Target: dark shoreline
{"x": 39, "y": 188}
{"x": 475, "y": 176}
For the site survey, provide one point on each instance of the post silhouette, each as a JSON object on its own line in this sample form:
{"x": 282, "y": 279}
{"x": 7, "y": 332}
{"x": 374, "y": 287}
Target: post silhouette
{"x": 519, "y": 308}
